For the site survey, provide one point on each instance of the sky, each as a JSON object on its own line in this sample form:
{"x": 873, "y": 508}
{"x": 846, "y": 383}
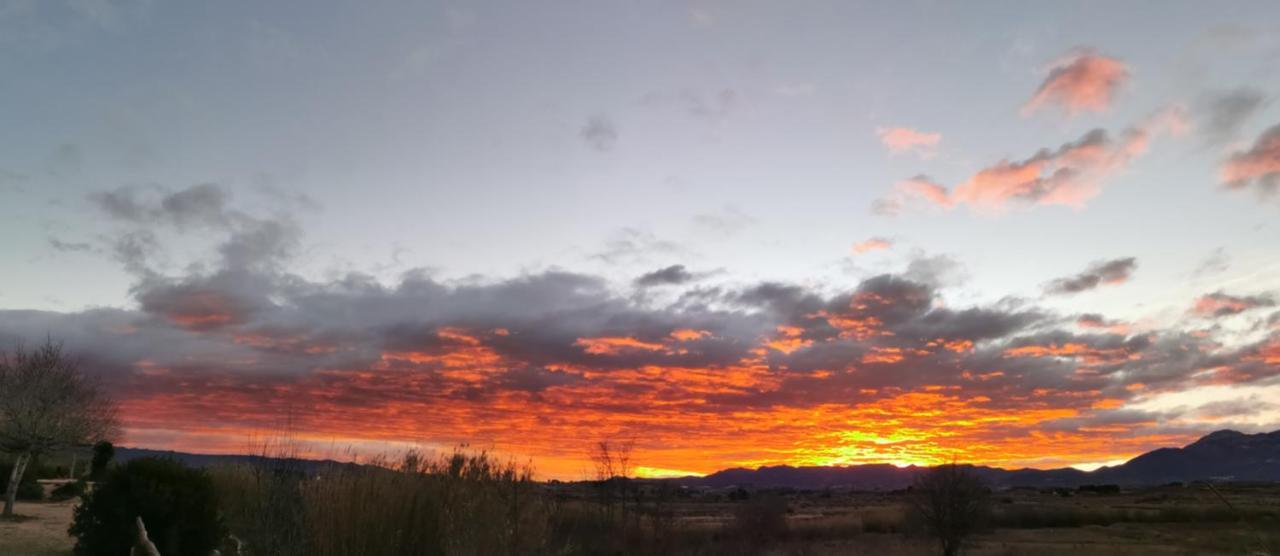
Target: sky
{"x": 730, "y": 234}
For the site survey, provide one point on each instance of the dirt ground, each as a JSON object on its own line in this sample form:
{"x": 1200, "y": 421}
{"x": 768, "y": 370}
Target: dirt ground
{"x": 40, "y": 531}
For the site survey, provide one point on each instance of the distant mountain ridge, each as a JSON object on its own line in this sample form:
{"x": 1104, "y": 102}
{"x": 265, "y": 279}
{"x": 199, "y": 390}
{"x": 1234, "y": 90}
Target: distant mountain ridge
{"x": 1224, "y": 455}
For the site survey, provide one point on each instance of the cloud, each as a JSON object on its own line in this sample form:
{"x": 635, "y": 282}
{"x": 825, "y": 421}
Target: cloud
{"x": 1070, "y": 175}
{"x": 670, "y": 276}
{"x": 1082, "y": 81}
{"x": 1219, "y": 304}
{"x": 634, "y": 245}
{"x": 536, "y": 362}
{"x": 1221, "y": 114}
{"x": 872, "y": 244}
{"x": 1095, "y": 321}
{"x": 1102, "y": 273}
{"x": 251, "y": 243}
{"x": 904, "y": 139}
{"x": 69, "y": 246}
{"x": 1259, "y": 166}
{"x": 199, "y": 205}
{"x": 709, "y": 106}
{"x": 1216, "y": 262}
{"x": 728, "y": 221}
{"x": 600, "y": 133}
{"x": 920, "y": 190}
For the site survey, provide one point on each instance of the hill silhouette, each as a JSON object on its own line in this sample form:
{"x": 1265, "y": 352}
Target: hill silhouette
{"x": 1224, "y": 455}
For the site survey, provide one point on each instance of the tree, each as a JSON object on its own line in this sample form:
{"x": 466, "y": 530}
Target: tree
{"x": 47, "y": 403}
{"x": 952, "y": 502}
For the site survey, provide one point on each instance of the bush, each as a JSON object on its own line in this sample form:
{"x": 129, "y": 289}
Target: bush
{"x": 67, "y": 491}
{"x": 177, "y": 504}
{"x": 762, "y": 519}
{"x": 102, "y": 454}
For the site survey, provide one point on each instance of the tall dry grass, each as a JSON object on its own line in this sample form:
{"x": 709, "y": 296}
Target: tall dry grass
{"x": 458, "y": 503}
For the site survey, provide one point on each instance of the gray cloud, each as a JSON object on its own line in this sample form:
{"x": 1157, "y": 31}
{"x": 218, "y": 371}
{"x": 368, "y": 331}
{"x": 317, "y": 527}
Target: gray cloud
{"x": 1115, "y": 271}
{"x": 1222, "y": 113}
{"x": 69, "y": 246}
{"x": 669, "y": 276}
{"x": 600, "y": 133}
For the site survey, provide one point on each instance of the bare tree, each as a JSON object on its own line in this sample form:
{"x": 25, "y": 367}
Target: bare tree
{"x": 952, "y": 502}
{"x": 46, "y": 403}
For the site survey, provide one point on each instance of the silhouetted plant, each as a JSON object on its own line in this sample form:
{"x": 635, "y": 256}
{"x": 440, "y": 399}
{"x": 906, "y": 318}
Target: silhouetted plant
{"x": 102, "y": 453}
{"x": 67, "y": 491}
{"x": 178, "y": 504}
{"x": 952, "y": 502}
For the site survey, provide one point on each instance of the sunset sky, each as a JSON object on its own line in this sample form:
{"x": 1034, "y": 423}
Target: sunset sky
{"x": 733, "y": 233}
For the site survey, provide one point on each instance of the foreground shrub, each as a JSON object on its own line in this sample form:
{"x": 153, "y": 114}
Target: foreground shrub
{"x": 67, "y": 491}
{"x": 762, "y": 519}
{"x": 178, "y": 504}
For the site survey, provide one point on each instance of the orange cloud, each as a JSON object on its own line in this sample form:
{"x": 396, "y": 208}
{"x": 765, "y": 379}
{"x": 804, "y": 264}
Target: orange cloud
{"x": 873, "y": 244}
{"x": 689, "y": 334}
{"x": 1219, "y": 304}
{"x": 1070, "y": 175}
{"x": 615, "y": 345}
{"x": 1081, "y": 81}
{"x": 904, "y": 139}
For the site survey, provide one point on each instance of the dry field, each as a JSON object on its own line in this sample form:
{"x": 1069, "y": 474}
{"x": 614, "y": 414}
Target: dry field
{"x": 1166, "y": 520}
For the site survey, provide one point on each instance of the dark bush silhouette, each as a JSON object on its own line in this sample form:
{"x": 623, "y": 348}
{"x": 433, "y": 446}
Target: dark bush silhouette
{"x": 67, "y": 491}
{"x": 178, "y": 504}
{"x": 952, "y": 502}
{"x": 762, "y": 519}
{"x": 102, "y": 454}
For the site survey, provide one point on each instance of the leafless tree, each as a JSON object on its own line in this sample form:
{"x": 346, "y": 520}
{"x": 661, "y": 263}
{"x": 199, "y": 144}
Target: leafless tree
{"x": 47, "y": 403}
{"x": 952, "y": 502}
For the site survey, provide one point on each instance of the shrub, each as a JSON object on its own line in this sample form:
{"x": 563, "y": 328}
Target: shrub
{"x": 67, "y": 491}
{"x": 762, "y": 519}
{"x": 102, "y": 454}
{"x": 178, "y": 504}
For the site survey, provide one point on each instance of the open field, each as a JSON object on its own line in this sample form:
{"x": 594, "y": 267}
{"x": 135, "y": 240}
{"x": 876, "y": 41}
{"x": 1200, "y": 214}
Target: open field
{"x": 1162, "y": 520}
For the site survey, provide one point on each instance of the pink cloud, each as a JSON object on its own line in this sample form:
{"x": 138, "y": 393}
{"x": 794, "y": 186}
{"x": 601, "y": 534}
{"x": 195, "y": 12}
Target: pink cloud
{"x": 904, "y": 139}
{"x": 1259, "y": 165}
{"x": 1219, "y": 304}
{"x": 873, "y": 244}
{"x": 1070, "y": 175}
{"x": 1081, "y": 81}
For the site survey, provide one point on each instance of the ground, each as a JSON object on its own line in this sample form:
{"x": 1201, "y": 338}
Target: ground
{"x": 876, "y": 523}
{"x": 39, "y": 530}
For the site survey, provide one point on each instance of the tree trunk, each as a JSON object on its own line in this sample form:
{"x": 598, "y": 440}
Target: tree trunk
{"x": 15, "y": 477}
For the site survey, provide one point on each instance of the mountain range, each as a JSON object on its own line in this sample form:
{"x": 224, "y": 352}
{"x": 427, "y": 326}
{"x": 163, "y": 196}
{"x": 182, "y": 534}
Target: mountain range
{"x": 1225, "y": 455}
